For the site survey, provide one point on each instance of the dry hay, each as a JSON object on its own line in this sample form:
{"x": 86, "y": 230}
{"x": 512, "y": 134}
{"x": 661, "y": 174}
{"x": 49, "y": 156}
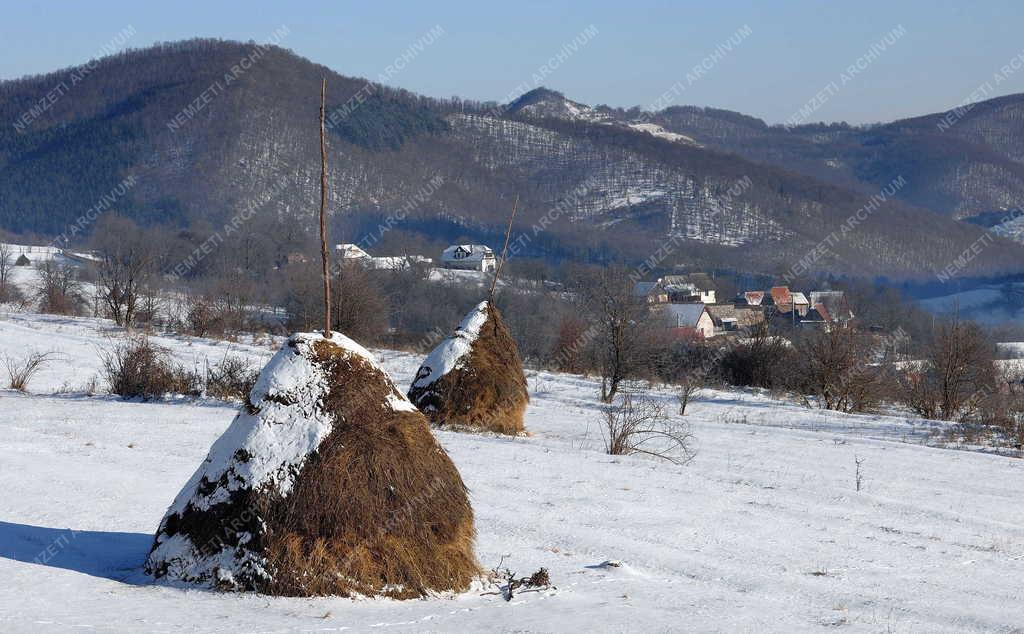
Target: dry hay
{"x": 329, "y": 483}
{"x": 474, "y": 379}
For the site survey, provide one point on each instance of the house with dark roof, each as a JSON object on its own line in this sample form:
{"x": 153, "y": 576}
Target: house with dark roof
{"x": 690, "y": 320}
{"x": 469, "y": 257}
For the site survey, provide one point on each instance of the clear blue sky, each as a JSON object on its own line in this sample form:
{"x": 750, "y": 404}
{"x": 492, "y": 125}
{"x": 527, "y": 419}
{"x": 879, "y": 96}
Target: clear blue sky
{"x": 642, "y": 47}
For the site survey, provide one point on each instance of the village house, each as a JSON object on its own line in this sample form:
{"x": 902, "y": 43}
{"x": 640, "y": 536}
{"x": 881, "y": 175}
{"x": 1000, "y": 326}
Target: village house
{"x": 353, "y": 253}
{"x": 691, "y": 288}
{"x": 725, "y": 317}
{"x": 834, "y": 304}
{"x": 650, "y": 292}
{"x": 469, "y": 257}
{"x": 690, "y": 321}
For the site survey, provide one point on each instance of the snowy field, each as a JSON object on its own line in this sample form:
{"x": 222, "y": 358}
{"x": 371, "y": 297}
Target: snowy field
{"x": 762, "y": 531}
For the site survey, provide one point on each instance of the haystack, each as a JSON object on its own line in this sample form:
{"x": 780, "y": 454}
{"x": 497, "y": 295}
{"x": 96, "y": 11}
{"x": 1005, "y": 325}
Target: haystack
{"x": 329, "y": 481}
{"x": 474, "y": 379}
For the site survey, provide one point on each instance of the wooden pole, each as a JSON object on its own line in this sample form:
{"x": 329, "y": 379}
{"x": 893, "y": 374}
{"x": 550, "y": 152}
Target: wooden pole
{"x": 504, "y": 251}
{"x": 323, "y": 213}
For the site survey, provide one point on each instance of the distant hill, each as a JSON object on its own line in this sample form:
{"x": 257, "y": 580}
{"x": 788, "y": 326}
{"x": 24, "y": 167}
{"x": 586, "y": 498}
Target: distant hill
{"x": 203, "y": 144}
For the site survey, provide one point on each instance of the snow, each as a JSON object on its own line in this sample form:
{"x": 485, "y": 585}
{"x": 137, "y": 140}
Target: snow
{"x": 1011, "y": 349}
{"x": 762, "y": 531}
{"x": 450, "y": 353}
{"x": 656, "y": 130}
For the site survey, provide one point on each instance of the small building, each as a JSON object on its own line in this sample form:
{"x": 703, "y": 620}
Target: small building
{"x": 690, "y": 320}
{"x": 835, "y": 304}
{"x": 469, "y": 257}
{"x": 816, "y": 317}
{"x": 724, "y": 317}
{"x": 691, "y": 288}
{"x": 351, "y": 252}
{"x": 750, "y": 298}
{"x": 650, "y": 292}
{"x": 799, "y": 302}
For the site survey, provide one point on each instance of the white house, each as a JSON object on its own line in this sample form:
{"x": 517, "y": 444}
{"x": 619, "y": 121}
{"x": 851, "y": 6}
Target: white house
{"x": 469, "y": 257}
{"x": 690, "y": 320}
{"x": 351, "y": 252}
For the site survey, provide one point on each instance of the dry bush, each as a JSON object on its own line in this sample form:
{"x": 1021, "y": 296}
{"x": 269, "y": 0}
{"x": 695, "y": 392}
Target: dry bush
{"x": 204, "y": 318}
{"x": 957, "y": 371}
{"x": 58, "y": 290}
{"x": 836, "y": 368}
{"x": 20, "y": 372}
{"x": 137, "y": 368}
{"x": 638, "y": 424}
{"x": 762, "y": 360}
{"x": 231, "y": 378}
{"x": 689, "y": 388}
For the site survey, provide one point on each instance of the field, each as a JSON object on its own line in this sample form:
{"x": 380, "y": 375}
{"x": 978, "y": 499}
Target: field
{"x": 763, "y": 530}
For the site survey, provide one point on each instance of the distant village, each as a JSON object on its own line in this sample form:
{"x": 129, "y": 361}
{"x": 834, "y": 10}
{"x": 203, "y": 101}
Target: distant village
{"x": 690, "y": 302}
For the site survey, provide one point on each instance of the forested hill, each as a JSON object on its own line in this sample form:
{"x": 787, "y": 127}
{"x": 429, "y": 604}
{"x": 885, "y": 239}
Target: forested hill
{"x": 206, "y": 131}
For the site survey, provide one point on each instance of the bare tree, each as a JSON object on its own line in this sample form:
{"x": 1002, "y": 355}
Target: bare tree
{"x": 360, "y": 310}
{"x": 125, "y": 269}
{"x": 956, "y": 375}
{"x": 6, "y": 264}
{"x": 619, "y": 316}
{"x": 637, "y": 424}
{"x": 58, "y": 289}
{"x": 836, "y": 368}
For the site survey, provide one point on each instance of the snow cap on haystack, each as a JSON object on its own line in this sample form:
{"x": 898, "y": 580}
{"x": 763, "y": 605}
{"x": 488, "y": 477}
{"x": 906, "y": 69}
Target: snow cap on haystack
{"x": 474, "y": 378}
{"x": 329, "y": 481}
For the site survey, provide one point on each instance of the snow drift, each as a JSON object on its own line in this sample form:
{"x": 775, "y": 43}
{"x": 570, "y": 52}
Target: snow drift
{"x": 327, "y": 482}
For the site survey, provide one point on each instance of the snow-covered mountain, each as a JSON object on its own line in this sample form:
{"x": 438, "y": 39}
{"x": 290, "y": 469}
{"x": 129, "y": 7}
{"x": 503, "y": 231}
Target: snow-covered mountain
{"x": 594, "y": 182}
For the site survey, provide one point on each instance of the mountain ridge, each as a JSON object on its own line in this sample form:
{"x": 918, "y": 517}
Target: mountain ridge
{"x": 645, "y": 185}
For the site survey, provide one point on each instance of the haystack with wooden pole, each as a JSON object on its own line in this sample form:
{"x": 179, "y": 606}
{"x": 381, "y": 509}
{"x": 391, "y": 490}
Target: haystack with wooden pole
{"x": 327, "y": 482}
{"x": 474, "y": 379}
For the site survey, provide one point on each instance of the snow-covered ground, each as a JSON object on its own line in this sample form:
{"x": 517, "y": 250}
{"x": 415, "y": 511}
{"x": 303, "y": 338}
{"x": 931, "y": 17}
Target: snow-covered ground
{"x": 762, "y": 531}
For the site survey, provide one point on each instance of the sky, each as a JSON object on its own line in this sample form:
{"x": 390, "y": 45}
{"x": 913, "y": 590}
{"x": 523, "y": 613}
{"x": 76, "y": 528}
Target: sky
{"x": 860, "y": 62}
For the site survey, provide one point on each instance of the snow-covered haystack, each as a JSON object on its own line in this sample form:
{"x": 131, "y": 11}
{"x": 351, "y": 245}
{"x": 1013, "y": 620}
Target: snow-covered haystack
{"x": 474, "y": 378}
{"x": 329, "y": 481}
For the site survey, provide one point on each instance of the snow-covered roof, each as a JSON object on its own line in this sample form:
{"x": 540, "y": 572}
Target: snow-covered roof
{"x": 798, "y": 298}
{"x": 467, "y": 252}
{"x": 347, "y": 251}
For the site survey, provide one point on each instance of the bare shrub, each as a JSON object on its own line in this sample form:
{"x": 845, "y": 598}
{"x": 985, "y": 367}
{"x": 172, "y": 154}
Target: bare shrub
{"x": 58, "y": 290}
{"x": 231, "y": 378}
{"x": 204, "y": 318}
{"x": 689, "y": 388}
{"x": 956, "y": 374}
{"x": 137, "y": 368}
{"x": 637, "y": 424}
{"x": 761, "y": 360}
{"x": 20, "y": 372}
{"x": 835, "y": 367}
